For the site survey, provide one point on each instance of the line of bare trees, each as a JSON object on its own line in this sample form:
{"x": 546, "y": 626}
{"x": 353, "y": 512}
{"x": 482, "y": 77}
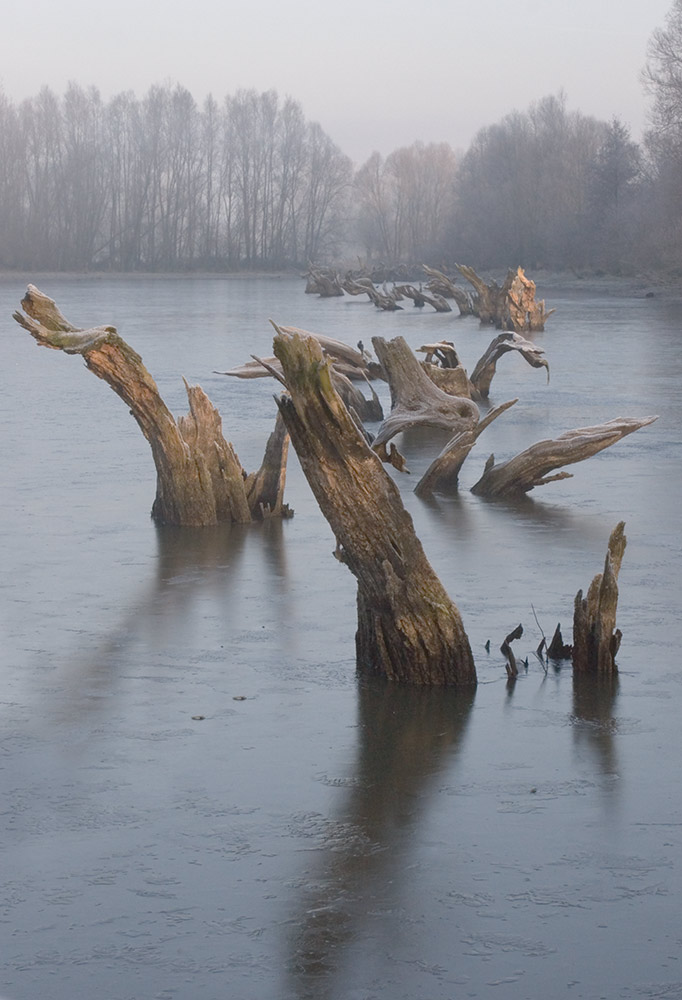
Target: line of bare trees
{"x": 160, "y": 183}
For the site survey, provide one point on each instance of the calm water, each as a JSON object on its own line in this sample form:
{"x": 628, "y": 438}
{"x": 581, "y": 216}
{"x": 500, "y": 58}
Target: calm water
{"x": 321, "y": 838}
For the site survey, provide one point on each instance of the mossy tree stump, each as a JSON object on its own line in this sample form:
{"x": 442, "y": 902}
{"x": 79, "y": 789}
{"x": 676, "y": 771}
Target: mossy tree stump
{"x": 409, "y": 630}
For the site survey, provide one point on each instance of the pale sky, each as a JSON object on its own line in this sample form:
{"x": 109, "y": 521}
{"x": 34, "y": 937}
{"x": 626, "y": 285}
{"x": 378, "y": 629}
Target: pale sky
{"x": 376, "y": 75}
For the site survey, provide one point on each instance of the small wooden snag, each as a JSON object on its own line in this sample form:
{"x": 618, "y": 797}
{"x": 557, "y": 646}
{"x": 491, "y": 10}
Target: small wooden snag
{"x": 596, "y": 640}
{"x": 409, "y": 630}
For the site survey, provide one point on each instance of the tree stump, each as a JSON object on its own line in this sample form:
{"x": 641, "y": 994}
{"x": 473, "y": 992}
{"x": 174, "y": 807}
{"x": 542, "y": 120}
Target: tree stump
{"x": 200, "y": 480}
{"x": 483, "y": 373}
{"x": 529, "y": 468}
{"x": 415, "y": 399}
{"x": 596, "y": 640}
{"x": 409, "y": 631}
{"x": 509, "y": 306}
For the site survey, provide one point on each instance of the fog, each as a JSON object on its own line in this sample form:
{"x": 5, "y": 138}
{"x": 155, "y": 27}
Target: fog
{"x": 375, "y": 76}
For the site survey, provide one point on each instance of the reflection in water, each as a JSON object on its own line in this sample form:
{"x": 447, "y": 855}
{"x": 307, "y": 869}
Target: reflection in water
{"x": 193, "y": 565}
{"x": 406, "y": 737}
{"x": 594, "y": 700}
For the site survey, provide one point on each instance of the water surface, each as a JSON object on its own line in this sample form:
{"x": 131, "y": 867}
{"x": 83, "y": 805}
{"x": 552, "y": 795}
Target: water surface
{"x": 325, "y": 838}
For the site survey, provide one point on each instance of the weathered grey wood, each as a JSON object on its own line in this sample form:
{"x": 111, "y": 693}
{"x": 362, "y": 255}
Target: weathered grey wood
{"x": 440, "y": 284}
{"x": 530, "y": 468}
{"x": 200, "y": 480}
{"x": 442, "y": 475}
{"x": 408, "y": 628}
{"x": 483, "y": 373}
{"x": 348, "y": 361}
{"x": 415, "y": 399}
{"x": 596, "y": 640}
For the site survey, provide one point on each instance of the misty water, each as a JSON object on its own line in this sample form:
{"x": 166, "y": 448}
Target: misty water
{"x": 313, "y": 836}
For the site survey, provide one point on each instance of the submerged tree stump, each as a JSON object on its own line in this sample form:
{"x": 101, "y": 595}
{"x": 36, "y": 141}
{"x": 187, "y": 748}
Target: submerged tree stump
{"x": 596, "y": 640}
{"x": 483, "y": 373}
{"x": 509, "y": 306}
{"x": 200, "y": 480}
{"x": 442, "y": 475}
{"x": 530, "y": 468}
{"x": 415, "y": 399}
{"x": 409, "y": 630}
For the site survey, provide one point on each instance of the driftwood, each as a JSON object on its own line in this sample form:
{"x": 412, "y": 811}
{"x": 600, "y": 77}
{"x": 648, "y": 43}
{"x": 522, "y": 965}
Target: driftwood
{"x": 349, "y": 361}
{"x": 415, "y": 399}
{"x": 442, "y": 475}
{"x": 530, "y": 468}
{"x": 558, "y": 649}
{"x": 410, "y": 292}
{"x": 200, "y": 480}
{"x": 483, "y": 373}
{"x": 476, "y": 386}
{"x": 440, "y": 284}
{"x": 323, "y": 281}
{"x": 348, "y": 365}
{"x": 408, "y": 628}
{"x": 512, "y": 669}
{"x": 510, "y": 306}
{"x": 596, "y": 640}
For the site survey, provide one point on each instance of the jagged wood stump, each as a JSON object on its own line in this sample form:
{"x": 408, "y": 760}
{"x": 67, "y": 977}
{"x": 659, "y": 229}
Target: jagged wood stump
{"x": 409, "y": 630}
{"x": 200, "y": 480}
{"x": 596, "y": 640}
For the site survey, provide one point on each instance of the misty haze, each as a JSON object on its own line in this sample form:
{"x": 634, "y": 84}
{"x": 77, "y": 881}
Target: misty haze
{"x": 283, "y": 717}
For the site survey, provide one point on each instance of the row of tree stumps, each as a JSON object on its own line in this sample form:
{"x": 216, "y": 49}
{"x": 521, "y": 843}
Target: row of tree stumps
{"x": 409, "y": 630}
{"x": 510, "y": 305}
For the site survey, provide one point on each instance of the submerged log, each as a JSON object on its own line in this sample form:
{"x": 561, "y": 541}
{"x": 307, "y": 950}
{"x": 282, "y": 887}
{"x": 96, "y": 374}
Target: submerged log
{"x": 512, "y": 668}
{"x": 558, "y": 649}
{"x": 324, "y": 282}
{"x": 440, "y": 284}
{"x": 596, "y": 640}
{"x": 408, "y": 628}
{"x": 415, "y": 399}
{"x": 483, "y": 373}
{"x": 530, "y": 468}
{"x": 200, "y": 480}
{"x": 442, "y": 476}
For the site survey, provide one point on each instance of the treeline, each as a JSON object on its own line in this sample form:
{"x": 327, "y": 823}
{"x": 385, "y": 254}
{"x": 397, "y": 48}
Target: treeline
{"x": 159, "y": 183}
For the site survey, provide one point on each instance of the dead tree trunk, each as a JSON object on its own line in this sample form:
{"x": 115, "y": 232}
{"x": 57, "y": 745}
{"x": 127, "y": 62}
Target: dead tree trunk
{"x": 483, "y": 373}
{"x": 415, "y": 399}
{"x": 596, "y": 640}
{"x": 408, "y": 628}
{"x": 510, "y": 306}
{"x": 442, "y": 475}
{"x": 441, "y": 284}
{"x": 200, "y": 480}
{"x": 529, "y": 468}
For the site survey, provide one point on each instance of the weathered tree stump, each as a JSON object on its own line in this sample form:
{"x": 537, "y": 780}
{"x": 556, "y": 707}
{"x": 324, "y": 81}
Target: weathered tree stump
{"x": 409, "y": 630}
{"x": 200, "y": 480}
{"x": 440, "y": 284}
{"x": 596, "y": 640}
{"x": 529, "y": 468}
{"x": 442, "y": 475}
{"x": 510, "y": 306}
{"x": 415, "y": 399}
{"x": 483, "y": 373}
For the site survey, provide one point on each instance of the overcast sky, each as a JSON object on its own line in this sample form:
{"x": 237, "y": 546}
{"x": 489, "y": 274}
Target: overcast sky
{"x": 375, "y": 74}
